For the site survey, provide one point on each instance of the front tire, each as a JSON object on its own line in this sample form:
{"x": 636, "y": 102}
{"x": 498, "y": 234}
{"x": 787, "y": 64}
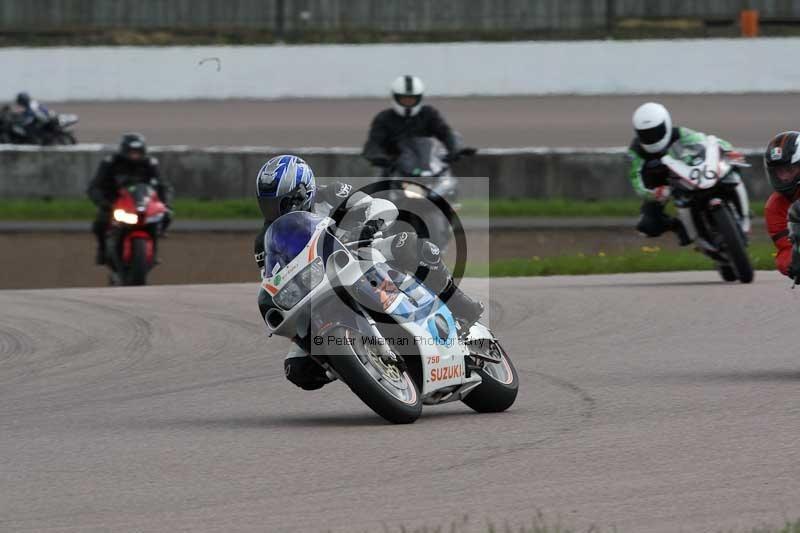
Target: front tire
{"x": 733, "y": 243}
{"x": 385, "y": 389}
{"x": 726, "y": 273}
{"x": 137, "y": 271}
{"x": 499, "y": 388}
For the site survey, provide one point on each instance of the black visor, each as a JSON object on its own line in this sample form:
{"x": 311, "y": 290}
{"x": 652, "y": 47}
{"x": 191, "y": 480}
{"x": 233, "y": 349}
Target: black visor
{"x": 784, "y": 179}
{"x": 416, "y": 97}
{"x": 652, "y": 135}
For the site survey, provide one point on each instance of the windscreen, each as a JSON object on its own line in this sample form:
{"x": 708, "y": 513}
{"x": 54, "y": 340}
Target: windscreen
{"x": 287, "y": 237}
{"x": 415, "y": 154}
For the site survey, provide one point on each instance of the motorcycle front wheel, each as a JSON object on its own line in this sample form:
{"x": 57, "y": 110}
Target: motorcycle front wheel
{"x": 137, "y": 271}
{"x": 385, "y": 388}
{"x": 66, "y": 138}
{"x": 498, "y": 390}
{"x": 733, "y": 243}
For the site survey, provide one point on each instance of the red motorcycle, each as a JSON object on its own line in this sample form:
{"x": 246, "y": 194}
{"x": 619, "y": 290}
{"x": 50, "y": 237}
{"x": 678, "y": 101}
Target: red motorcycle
{"x": 138, "y": 218}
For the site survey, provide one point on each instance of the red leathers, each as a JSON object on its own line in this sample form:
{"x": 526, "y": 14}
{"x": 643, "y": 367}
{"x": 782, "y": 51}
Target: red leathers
{"x": 782, "y": 164}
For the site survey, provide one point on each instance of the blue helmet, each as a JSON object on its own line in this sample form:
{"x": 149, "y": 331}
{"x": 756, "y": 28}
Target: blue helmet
{"x": 284, "y": 184}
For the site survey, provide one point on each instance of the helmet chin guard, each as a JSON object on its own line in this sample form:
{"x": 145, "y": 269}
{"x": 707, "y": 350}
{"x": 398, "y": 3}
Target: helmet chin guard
{"x": 407, "y": 92}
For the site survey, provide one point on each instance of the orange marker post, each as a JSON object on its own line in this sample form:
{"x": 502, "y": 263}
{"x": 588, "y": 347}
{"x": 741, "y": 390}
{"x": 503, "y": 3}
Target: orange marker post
{"x": 748, "y": 20}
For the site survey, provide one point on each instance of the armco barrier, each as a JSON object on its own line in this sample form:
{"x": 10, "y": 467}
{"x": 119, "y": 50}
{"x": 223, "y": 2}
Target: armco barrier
{"x": 585, "y": 174}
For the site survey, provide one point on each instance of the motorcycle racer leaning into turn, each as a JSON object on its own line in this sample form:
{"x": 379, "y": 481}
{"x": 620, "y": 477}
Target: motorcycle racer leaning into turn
{"x": 782, "y": 211}
{"x": 656, "y": 137}
{"x": 285, "y": 184}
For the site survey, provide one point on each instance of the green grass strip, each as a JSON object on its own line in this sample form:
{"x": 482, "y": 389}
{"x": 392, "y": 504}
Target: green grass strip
{"x": 646, "y": 259}
{"x": 246, "y": 208}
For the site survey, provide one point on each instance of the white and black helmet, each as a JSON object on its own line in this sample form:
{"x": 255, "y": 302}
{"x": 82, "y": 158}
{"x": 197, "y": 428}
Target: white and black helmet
{"x": 407, "y": 95}
{"x": 653, "y": 126}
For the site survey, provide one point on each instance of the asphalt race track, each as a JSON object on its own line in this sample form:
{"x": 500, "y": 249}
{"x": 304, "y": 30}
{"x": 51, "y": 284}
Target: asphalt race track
{"x": 650, "y": 402}
{"x": 583, "y": 121}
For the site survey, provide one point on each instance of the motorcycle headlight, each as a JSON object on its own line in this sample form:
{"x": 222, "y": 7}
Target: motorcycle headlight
{"x": 300, "y": 285}
{"x": 120, "y": 215}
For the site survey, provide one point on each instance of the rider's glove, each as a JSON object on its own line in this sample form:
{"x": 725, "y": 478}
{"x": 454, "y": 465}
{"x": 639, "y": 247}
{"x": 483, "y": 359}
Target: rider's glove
{"x": 662, "y": 193}
{"x": 654, "y": 174}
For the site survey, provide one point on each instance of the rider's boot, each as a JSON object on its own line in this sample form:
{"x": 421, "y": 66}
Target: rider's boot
{"x": 100, "y": 255}
{"x": 679, "y": 229}
{"x": 302, "y": 370}
{"x": 99, "y": 230}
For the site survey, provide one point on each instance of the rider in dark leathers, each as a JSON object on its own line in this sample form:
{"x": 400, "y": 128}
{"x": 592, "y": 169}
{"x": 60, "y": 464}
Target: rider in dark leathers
{"x": 406, "y": 119}
{"x": 286, "y": 183}
{"x": 129, "y": 165}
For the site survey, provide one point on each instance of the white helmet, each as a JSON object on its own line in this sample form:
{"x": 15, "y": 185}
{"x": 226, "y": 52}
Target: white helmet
{"x": 653, "y": 127}
{"x": 409, "y": 89}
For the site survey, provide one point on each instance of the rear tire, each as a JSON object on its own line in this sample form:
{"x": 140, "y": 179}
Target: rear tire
{"x": 733, "y": 242}
{"x": 499, "y": 388}
{"x": 137, "y": 271}
{"x": 354, "y": 369}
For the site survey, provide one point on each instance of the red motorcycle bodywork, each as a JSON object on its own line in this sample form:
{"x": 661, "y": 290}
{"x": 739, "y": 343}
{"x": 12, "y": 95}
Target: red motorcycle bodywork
{"x": 153, "y": 207}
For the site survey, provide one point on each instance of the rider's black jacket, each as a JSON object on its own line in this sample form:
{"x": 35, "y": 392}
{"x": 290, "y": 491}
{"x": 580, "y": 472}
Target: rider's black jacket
{"x": 389, "y": 130}
{"x": 115, "y": 171}
{"x": 654, "y": 173}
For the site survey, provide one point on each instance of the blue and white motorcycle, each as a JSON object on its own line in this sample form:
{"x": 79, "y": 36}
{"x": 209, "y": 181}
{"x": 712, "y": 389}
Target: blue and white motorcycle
{"x": 379, "y": 330}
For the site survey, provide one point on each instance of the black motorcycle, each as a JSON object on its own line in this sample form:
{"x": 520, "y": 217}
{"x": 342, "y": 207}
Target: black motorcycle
{"x": 424, "y": 161}
{"x": 54, "y": 130}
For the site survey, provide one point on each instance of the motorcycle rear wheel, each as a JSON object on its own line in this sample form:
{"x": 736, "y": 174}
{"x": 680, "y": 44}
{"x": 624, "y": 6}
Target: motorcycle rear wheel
{"x": 387, "y": 390}
{"x": 733, "y": 243}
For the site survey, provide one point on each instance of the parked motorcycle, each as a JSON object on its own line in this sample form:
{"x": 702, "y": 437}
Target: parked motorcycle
{"x": 705, "y": 180}
{"x": 381, "y": 331}
{"x": 56, "y": 130}
{"x": 424, "y": 160}
{"x": 137, "y": 218}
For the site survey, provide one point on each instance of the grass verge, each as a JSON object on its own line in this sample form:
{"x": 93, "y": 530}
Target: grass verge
{"x": 645, "y": 259}
{"x": 245, "y": 208}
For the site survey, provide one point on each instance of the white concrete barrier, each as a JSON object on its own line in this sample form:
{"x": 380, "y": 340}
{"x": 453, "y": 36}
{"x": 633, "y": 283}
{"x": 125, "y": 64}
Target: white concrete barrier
{"x": 450, "y": 69}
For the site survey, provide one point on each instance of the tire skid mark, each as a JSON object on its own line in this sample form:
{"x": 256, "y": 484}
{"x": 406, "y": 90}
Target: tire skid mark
{"x": 14, "y": 344}
{"x": 122, "y": 398}
{"x": 59, "y": 360}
